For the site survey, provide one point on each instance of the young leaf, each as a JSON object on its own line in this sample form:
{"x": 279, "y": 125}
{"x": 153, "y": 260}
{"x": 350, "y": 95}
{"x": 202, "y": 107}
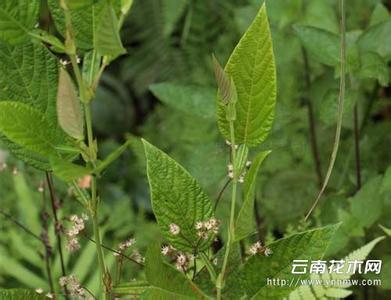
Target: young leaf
{"x": 176, "y": 199}
{"x": 226, "y": 86}
{"x": 107, "y": 38}
{"x": 68, "y": 171}
{"x": 307, "y": 245}
{"x": 69, "y": 112}
{"x": 165, "y": 277}
{"x": 322, "y": 45}
{"x": 27, "y": 127}
{"x": 17, "y": 19}
{"x": 252, "y": 68}
{"x": 245, "y": 220}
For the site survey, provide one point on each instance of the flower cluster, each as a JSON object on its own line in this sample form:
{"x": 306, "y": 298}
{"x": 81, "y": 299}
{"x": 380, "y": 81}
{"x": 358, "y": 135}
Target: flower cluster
{"x": 73, "y": 286}
{"x": 258, "y": 248}
{"x": 244, "y": 172}
{"x": 77, "y": 227}
{"x": 182, "y": 260}
{"x": 122, "y": 247}
{"x": 204, "y": 229}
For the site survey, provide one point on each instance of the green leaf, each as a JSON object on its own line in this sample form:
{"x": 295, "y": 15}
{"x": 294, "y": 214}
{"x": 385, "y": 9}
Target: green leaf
{"x": 68, "y": 171}
{"x": 367, "y": 204}
{"x": 20, "y": 294}
{"x": 176, "y": 199}
{"x": 245, "y": 220}
{"x": 252, "y": 69}
{"x": 69, "y": 112}
{"x": 27, "y": 127}
{"x": 375, "y": 67}
{"x": 190, "y": 99}
{"x": 322, "y": 45}
{"x": 16, "y": 20}
{"x": 27, "y": 74}
{"x": 107, "y": 38}
{"x": 163, "y": 276}
{"x": 55, "y": 44}
{"x": 135, "y": 288}
{"x": 172, "y": 12}
{"x": 112, "y": 157}
{"x": 84, "y": 21}
{"x": 307, "y": 245}
{"x": 379, "y": 14}
{"x": 77, "y": 4}
{"x": 375, "y": 39}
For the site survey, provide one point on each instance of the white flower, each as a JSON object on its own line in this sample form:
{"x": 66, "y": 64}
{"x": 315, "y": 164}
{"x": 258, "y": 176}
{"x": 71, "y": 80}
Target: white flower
{"x": 39, "y": 291}
{"x": 165, "y": 250}
{"x": 199, "y": 225}
{"x": 181, "y": 259}
{"x": 174, "y": 229}
{"x": 268, "y": 252}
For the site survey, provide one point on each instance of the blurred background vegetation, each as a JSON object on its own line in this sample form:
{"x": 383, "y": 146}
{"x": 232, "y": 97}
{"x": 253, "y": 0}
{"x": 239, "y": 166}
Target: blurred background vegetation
{"x": 163, "y": 89}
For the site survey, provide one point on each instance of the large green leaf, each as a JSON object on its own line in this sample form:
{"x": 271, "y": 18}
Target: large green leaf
{"x": 245, "y": 221}
{"x": 27, "y": 127}
{"x": 322, "y": 45}
{"x": 107, "y": 38}
{"x": 307, "y": 245}
{"x": 163, "y": 276}
{"x": 27, "y": 74}
{"x": 20, "y": 294}
{"x": 17, "y": 19}
{"x": 70, "y": 114}
{"x": 190, "y": 99}
{"x": 252, "y": 69}
{"x": 176, "y": 199}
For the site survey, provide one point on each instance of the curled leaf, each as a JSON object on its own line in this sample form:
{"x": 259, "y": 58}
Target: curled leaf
{"x": 226, "y": 85}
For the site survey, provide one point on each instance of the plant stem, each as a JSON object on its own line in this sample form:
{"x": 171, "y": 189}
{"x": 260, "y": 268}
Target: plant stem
{"x": 341, "y": 100}
{"x": 311, "y": 120}
{"x": 45, "y": 240}
{"x": 258, "y": 219}
{"x": 57, "y": 226}
{"x": 105, "y": 276}
{"x": 221, "y": 193}
{"x": 208, "y": 266}
{"x": 231, "y": 229}
{"x": 357, "y": 147}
